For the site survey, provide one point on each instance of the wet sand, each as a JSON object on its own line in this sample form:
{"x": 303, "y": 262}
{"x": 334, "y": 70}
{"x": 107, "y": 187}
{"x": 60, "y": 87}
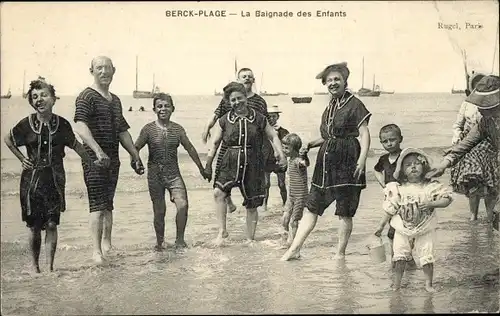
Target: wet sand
{"x": 241, "y": 278}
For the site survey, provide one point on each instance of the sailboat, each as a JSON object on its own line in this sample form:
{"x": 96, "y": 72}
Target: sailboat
{"x": 138, "y": 94}
{"x": 263, "y": 92}
{"x": 220, "y": 93}
{"x": 6, "y": 96}
{"x": 382, "y": 90}
{"x": 365, "y": 92}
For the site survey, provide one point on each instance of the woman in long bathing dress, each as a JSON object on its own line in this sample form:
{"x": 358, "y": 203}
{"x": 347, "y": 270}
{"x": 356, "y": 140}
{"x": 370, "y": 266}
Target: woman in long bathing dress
{"x": 45, "y": 136}
{"x": 339, "y": 174}
{"x": 486, "y": 96}
{"x": 243, "y": 131}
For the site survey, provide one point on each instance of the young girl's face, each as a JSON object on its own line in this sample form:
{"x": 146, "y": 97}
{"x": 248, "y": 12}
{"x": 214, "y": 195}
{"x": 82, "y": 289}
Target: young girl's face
{"x": 42, "y": 100}
{"x": 287, "y": 149}
{"x": 413, "y": 168}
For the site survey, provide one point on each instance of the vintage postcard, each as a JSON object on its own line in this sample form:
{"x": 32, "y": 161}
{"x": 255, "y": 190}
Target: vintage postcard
{"x": 250, "y": 157}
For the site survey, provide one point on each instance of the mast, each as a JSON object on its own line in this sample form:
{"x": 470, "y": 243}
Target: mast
{"x": 235, "y": 68}
{"x": 153, "y": 83}
{"x": 363, "y": 74}
{"x": 261, "y": 80}
{"x": 136, "y": 72}
{"x": 373, "y": 86}
{"x": 495, "y": 51}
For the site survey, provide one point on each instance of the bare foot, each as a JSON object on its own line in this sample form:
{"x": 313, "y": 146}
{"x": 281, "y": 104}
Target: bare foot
{"x": 37, "y": 269}
{"x": 473, "y": 218}
{"x": 220, "y": 240}
{"x": 180, "y": 243}
{"x": 291, "y": 255}
{"x": 231, "y": 208}
{"x": 396, "y": 288}
{"x": 429, "y": 288}
{"x": 159, "y": 248}
{"x": 106, "y": 248}
{"x": 98, "y": 259}
{"x": 339, "y": 256}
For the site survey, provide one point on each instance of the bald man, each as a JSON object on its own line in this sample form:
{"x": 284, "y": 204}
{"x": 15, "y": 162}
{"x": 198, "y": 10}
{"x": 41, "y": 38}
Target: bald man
{"x": 102, "y": 127}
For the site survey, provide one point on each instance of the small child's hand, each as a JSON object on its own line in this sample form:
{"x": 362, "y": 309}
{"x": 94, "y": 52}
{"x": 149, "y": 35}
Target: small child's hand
{"x": 378, "y": 232}
{"x": 426, "y": 206}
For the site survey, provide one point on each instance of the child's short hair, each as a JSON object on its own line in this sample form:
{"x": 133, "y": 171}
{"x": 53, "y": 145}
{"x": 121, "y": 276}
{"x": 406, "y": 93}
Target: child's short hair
{"x": 163, "y": 96}
{"x": 293, "y": 140}
{"x": 390, "y": 128}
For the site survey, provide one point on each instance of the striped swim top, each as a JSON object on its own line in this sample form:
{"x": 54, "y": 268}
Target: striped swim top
{"x": 297, "y": 175}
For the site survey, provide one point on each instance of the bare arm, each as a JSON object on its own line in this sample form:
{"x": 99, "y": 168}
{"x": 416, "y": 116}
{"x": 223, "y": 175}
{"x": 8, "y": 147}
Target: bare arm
{"x": 216, "y": 140}
{"x": 380, "y": 178}
{"x": 272, "y": 135}
{"x": 191, "y": 150}
{"x": 128, "y": 144}
{"x": 86, "y": 135}
{"x": 210, "y": 123}
{"x": 304, "y": 161}
{"x": 387, "y": 217}
{"x": 13, "y": 148}
{"x": 458, "y": 126}
{"x": 315, "y": 143}
{"x": 364, "y": 134}
{"x": 80, "y": 150}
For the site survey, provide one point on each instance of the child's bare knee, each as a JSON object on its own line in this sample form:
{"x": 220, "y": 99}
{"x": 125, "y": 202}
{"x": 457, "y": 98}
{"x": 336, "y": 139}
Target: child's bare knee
{"x": 219, "y": 195}
{"x": 51, "y": 226}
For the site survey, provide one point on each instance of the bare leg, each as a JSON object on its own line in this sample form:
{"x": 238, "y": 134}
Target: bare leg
{"x": 107, "y": 227}
{"x": 282, "y": 186}
{"x": 344, "y": 234}
{"x": 96, "y": 223}
{"x": 252, "y": 219}
{"x": 429, "y": 273}
{"x": 291, "y": 236}
{"x": 230, "y": 204}
{"x": 221, "y": 210}
{"x": 159, "y": 210}
{"x": 399, "y": 269}
{"x": 490, "y": 202}
{"x": 50, "y": 244}
{"x": 35, "y": 242}
{"x": 285, "y": 222}
{"x": 267, "y": 184}
{"x": 181, "y": 221}
{"x": 474, "y": 207}
{"x": 306, "y": 225}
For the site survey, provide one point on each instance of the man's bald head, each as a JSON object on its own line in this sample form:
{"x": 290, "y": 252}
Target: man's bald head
{"x": 102, "y": 69}
{"x": 103, "y": 59}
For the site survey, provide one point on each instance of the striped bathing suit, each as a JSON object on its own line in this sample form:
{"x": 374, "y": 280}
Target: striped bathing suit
{"x": 105, "y": 120}
{"x": 255, "y": 102}
{"x": 297, "y": 174}
{"x": 163, "y": 165}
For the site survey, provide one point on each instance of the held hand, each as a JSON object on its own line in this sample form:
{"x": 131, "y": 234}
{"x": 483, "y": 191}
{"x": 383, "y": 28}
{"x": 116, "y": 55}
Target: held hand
{"x": 378, "y": 232}
{"x": 204, "y": 175}
{"x": 208, "y": 173}
{"x": 304, "y": 151}
{"x": 282, "y": 163}
{"x": 137, "y": 166}
{"x": 360, "y": 169}
{"x": 425, "y": 206}
{"x": 103, "y": 159}
{"x": 438, "y": 170}
{"x": 205, "y": 136}
{"x": 27, "y": 164}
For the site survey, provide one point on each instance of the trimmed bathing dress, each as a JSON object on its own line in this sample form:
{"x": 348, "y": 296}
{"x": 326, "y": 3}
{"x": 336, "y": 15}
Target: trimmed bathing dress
{"x": 475, "y": 173}
{"x": 42, "y": 188}
{"x": 242, "y": 164}
{"x": 333, "y": 177}
{"x": 255, "y": 102}
{"x": 487, "y": 129}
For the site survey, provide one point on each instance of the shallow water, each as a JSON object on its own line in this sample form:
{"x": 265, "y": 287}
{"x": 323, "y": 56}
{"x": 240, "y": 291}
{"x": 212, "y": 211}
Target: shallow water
{"x": 242, "y": 278}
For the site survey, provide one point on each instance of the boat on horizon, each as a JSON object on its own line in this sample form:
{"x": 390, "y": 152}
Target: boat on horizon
{"x": 453, "y": 91}
{"x": 321, "y": 93}
{"x": 365, "y": 92}
{"x": 6, "y": 96}
{"x": 216, "y": 93}
{"x": 138, "y": 94}
{"x": 264, "y": 93}
{"x": 301, "y": 99}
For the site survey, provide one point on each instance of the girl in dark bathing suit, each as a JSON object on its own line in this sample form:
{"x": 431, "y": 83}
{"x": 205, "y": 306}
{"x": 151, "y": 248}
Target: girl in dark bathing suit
{"x": 45, "y": 135}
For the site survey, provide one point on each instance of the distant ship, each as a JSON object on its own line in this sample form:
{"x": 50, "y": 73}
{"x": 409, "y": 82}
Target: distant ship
{"x": 321, "y": 93}
{"x": 301, "y": 99}
{"x": 218, "y": 93}
{"x": 269, "y": 94}
{"x": 138, "y": 94}
{"x": 6, "y": 96}
{"x": 386, "y": 92}
{"x": 365, "y": 92}
{"x": 453, "y": 91}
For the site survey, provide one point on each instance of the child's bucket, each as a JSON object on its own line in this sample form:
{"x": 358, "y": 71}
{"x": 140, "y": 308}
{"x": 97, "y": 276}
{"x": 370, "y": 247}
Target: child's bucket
{"x": 377, "y": 251}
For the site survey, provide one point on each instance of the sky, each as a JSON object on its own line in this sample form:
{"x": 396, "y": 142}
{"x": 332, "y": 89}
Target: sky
{"x": 400, "y": 42}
